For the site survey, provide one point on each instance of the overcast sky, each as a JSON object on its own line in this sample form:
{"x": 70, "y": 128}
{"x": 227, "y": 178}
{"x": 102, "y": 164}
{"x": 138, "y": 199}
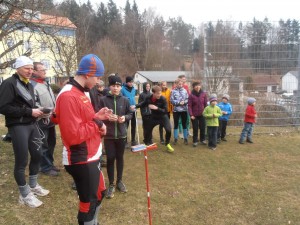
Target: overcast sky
{"x": 198, "y": 11}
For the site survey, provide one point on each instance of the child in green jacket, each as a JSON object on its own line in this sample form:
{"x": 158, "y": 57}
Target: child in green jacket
{"x": 211, "y": 114}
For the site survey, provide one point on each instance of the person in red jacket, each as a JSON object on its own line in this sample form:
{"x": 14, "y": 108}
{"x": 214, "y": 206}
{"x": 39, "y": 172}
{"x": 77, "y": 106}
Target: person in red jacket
{"x": 249, "y": 121}
{"x": 81, "y": 130}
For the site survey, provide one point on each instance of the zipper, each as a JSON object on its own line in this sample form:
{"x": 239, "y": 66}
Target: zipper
{"x": 116, "y": 126}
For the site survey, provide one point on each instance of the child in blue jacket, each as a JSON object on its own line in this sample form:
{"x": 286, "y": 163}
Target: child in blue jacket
{"x": 226, "y": 109}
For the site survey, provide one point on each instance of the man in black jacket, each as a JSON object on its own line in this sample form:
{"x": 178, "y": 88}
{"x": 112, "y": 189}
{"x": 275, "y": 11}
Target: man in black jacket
{"x": 145, "y": 111}
{"x": 17, "y": 103}
{"x": 115, "y": 138}
{"x": 158, "y": 105}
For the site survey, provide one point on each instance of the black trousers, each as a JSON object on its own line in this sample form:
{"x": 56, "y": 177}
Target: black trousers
{"x": 133, "y": 126}
{"x": 24, "y": 138}
{"x": 212, "y": 136}
{"x": 114, "y": 152}
{"x": 145, "y": 119}
{"x": 161, "y": 129}
{"x": 150, "y": 124}
{"x": 222, "y": 128}
{"x": 198, "y": 124}
{"x": 88, "y": 184}
{"x": 176, "y": 116}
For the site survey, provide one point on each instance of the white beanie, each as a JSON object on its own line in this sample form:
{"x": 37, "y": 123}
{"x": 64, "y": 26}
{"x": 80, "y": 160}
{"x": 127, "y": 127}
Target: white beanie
{"x": 23, "y": 61}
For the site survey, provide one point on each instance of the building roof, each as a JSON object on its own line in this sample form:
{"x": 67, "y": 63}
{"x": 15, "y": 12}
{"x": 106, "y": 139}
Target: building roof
{"x": 266, "y": 79}
{"x": 158, "y": 76}
{"x": 44, "y": 19}
{"x": 295, "y": 73}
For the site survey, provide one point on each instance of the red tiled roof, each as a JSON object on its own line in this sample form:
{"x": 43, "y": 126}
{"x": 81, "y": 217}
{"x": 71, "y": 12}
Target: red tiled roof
{"x": 45, "y": 19}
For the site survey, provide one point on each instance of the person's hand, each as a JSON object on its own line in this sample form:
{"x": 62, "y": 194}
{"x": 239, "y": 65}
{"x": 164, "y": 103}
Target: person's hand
{"x": 224, "y": 113}
{"x": 104, "y": 113}
{"x": 102, "y": 130}
{"x": 151, "y": 106}
{"x": 121, "y": 119}
{"x": 181, "y": 103}
{"x": 36, "y": 113}
{"x": 132, "y": 107}
{"x": 255, "y": 115}
{"x": 113, "y": 117}
{"x": 192, "y": 117}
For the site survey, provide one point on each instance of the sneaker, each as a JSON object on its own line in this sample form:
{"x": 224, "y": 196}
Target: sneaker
{"x": 185, "y": 142}
{"x": 249, "y": 141}
{"x": 51, "y": 172}
{"x": 169, "y": 148}
{"x": 39, "y": 190}
{"x": 133, "y": 143}
{"x": 241, "y": 142}
{"x": 212, "y": 148}
{"x": 121, "y": 187}
{"x": 30, "y": 200}
{"x": 162, "y": 141}
{"x": 195, "y": 144}
{"x": 203, "y": 142}
{"x": 175, "y": 141}
{"x": 110, "y": 191}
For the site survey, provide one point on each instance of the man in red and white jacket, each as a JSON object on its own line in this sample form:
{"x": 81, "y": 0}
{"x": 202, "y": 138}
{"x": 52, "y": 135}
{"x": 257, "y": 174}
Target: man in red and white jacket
{"x": 81, "y": 130}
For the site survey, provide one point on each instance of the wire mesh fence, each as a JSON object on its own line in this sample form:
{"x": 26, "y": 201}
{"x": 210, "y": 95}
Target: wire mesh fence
{"x": 257, "y": 59}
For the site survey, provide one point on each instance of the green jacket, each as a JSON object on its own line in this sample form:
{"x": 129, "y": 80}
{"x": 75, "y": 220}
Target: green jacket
{"x": 208, "y": 113}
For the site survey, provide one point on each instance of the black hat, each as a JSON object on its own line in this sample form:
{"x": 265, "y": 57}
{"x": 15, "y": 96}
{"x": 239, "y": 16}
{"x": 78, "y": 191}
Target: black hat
{"x": 129, "y": 79}
{"x": 115, "y": 80}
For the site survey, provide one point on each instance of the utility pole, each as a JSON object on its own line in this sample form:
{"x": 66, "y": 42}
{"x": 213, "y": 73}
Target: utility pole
{"x": 205, "y": 57}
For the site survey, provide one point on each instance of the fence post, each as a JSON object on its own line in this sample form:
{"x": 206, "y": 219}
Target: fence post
{"x": 298, "y": 92}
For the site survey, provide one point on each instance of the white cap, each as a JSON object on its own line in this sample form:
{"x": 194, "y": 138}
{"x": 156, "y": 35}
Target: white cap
{"x": 23, "y": 61}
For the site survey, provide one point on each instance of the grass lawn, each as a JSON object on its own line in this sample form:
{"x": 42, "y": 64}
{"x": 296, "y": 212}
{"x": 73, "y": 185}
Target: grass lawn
{"x": 235, "y": 185}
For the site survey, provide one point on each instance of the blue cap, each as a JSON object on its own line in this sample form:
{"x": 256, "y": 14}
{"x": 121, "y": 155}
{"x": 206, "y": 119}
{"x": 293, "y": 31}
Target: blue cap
{"x": 251, "y": 101}
{"x": 91, "y": 65}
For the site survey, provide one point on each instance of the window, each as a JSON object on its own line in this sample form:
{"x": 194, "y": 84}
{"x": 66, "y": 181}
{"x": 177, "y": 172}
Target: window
{"x": 43, "y": 47}
{"x": 10, "y": 42}
{"x": 59, "y": 65}
{"x": 27, "y": 45}
{"x": 46, "y": 63}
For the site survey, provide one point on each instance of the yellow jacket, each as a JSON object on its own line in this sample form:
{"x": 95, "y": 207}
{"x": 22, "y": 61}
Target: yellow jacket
{"x": 167, "y": 95}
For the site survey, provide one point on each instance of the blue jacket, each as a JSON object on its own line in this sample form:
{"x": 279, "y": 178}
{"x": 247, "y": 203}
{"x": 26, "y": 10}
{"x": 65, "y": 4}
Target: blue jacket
{"x": 227, "y": 108}
{"x": 129, "y": 93}
{"x": 178, "y": 95}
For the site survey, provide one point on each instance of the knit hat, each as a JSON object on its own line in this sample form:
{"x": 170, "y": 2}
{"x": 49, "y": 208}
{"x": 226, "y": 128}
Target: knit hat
{"x": 23, "y": 61}
{"x": 226, "y": 96}
{"x": 251, "y": 101}
{"x": 115, "y": 80}
{"x": 213, "y": 97}
{"x": 129, "y": 79}
{"x": 90, "y": 65}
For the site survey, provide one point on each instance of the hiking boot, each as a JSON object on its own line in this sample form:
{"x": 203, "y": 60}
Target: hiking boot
{"x": 51, "y": 173}
{"x": 169, "y": 148}
{"x": 39, "y": 190}
{"x": 203, "y": 142}
{"x": 249, "y": 141}
{"x": 110, "y": 191}
{"x": 223, "y": 139}
{"x": 195, "y": 144}
{"x": 185, "y": 141}
{"x": 175, "y": 141}
{"x": 121, "y": 187}
{"x": 30, "y": 200}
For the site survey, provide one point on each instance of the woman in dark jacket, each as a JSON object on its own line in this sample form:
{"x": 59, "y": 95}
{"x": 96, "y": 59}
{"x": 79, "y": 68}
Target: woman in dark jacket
{"x": 116, "y": 134}
{"x": 197, "y": 103}
{"x": 145, "y": 111}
